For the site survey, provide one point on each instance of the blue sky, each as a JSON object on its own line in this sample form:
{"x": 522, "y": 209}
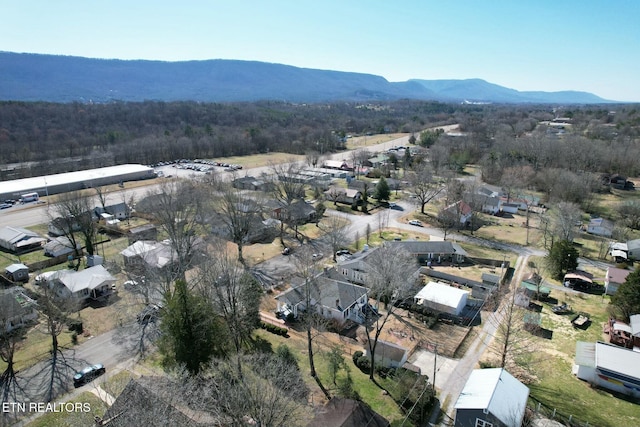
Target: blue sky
{"x": 587, "y": 45}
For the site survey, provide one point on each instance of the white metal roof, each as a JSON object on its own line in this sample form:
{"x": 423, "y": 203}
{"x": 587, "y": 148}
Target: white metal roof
{"x": 618, "y": 359}
{"x": 89, "y": 278}
{"x": 497, "y": 391}
{"x": 442, "y": 294}
{"x": 18, "y": 186}
{"x": 635, "y": 325}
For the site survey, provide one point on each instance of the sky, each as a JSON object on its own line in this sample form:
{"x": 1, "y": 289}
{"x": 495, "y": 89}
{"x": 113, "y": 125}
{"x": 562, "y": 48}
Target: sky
{"x": 547, "y": 45}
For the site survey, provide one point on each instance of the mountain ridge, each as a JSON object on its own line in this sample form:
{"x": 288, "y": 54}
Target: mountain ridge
{"x": 54, "y": 78}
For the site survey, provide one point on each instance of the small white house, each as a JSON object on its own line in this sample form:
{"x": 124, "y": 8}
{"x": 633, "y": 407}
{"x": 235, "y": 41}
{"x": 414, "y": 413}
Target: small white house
{"x": 443, "y": 298}
{"x": 93, "y": 283}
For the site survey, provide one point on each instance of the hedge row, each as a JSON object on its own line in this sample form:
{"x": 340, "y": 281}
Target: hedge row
{"x": 274, "y": 329}
{"x": 364, "y": 364}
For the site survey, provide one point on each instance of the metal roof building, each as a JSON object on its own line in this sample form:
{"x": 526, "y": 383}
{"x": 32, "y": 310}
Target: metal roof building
{"x": 493, "y": 396}
{"x": 442, "y": 297}
{"x": 609, "y": 366}
{"x": 70, "y": 181}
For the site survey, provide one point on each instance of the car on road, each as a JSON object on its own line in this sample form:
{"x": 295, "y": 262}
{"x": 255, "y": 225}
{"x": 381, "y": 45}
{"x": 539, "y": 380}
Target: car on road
{"x": 395, "y": 206}
{"x": 88, "y": 374}
{"x": 5, "y": 205}
{"x": 415, "y": 222}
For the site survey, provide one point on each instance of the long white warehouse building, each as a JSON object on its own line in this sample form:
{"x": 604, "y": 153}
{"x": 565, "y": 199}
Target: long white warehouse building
{"x": 70, "y": 181}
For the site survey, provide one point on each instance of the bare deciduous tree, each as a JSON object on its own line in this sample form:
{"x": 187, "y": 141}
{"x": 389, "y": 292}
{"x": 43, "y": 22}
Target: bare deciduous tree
{"x": 307, "y": 268}
{"x": 287, "y": 189}
{"x": 336, "y": 233}
{"x": 390, "y": 277}
{"x": 71, "y": 212}
{"x": 423, "y": 186}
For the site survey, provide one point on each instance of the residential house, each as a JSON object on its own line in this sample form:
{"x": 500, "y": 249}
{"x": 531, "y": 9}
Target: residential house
{"x": 332, "y": 299}
{"x": 615, "y": 277}
{"x": 145, "y": 254}
{"x": 600, "y": 227}
{"x": 119, "y": 211}
{"x": 376, "y": 161}
{"x": 153, "y": 401}
{"x": 388, "y": 354}
{"x": 19, "y": 240}
{"x": 59, "y": 246}
{"x": 298, "y": 212}
{"x": 94, "y": 283}
{"x": 442, "y": 298}
{"x": 488, "y": 204}
{"x": 143, "y": 232}
{"x": 434, "y": 251}
{"x": 18, "y": 309}
{"x": 17, "y": 272}
{"x": 491, "y": 398}
{"x": 341, "y": 412}
{"x": 608, "y": 366}
{"x": 633, "y": 250}
{"x": 62, "y": 226}
{"x": 460, "y": 210}
{"x": 343, "y": 195}
{"x": 354, "y": 270}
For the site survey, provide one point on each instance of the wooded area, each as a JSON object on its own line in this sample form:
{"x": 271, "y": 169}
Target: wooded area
{"x": 74, "y": 136}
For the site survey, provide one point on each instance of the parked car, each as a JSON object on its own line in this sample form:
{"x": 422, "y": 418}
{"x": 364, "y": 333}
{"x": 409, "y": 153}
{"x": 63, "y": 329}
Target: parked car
{"x": 148, "y": 314}
{"x": 5, "y": 205}
{"x": 130, "y": 284}
{"x": 286, "y": 251}
{"x": 88, "y": 374}
{"x": 415, "y": 222}
{"x": 343, "y": 252}
{"x": 317, "y": 256}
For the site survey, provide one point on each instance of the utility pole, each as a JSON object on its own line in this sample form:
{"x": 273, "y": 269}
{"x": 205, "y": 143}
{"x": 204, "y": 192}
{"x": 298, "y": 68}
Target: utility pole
{"x": 435, "y": 362}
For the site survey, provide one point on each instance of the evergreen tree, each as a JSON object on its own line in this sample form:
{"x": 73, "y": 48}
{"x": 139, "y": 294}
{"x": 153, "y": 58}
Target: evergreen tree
{"x": 192, "y": 333}
{"x": 627, "y": 298}
{"x": 382, "y": 192}
{"x": 562, "y": 257}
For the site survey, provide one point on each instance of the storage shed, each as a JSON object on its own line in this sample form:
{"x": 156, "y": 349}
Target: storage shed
{"x": 18, "y": 272}
{"x": 443, "y": 298}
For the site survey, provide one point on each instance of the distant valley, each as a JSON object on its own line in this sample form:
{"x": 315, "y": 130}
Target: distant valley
{"x": 34, "y": 77}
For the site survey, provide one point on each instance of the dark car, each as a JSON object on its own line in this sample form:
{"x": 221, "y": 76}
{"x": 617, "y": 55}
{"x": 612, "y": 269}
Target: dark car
{"x": 149, "y": 314}
{"x": 88, "y": 374}
{"x": 286, "y": 251}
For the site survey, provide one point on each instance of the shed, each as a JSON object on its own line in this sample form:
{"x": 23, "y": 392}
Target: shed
{"x": 18, "y": 272}
{"x": 389, "y": 355}
{"x": 491, "y": 397}
{"x": 442, "y": 297}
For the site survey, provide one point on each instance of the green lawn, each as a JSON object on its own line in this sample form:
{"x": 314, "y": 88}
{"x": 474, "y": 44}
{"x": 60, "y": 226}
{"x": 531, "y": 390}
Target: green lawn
{"x": 89, "y": 407}
{"x": 556, "y": 387}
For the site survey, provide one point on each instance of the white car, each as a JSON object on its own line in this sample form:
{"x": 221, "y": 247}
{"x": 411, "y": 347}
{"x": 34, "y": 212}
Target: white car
{"x": 415, "y": 222}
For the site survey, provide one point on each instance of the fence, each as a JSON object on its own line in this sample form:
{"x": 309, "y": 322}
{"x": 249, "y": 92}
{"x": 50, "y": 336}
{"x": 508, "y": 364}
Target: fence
{"x": 538, "y": 409}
